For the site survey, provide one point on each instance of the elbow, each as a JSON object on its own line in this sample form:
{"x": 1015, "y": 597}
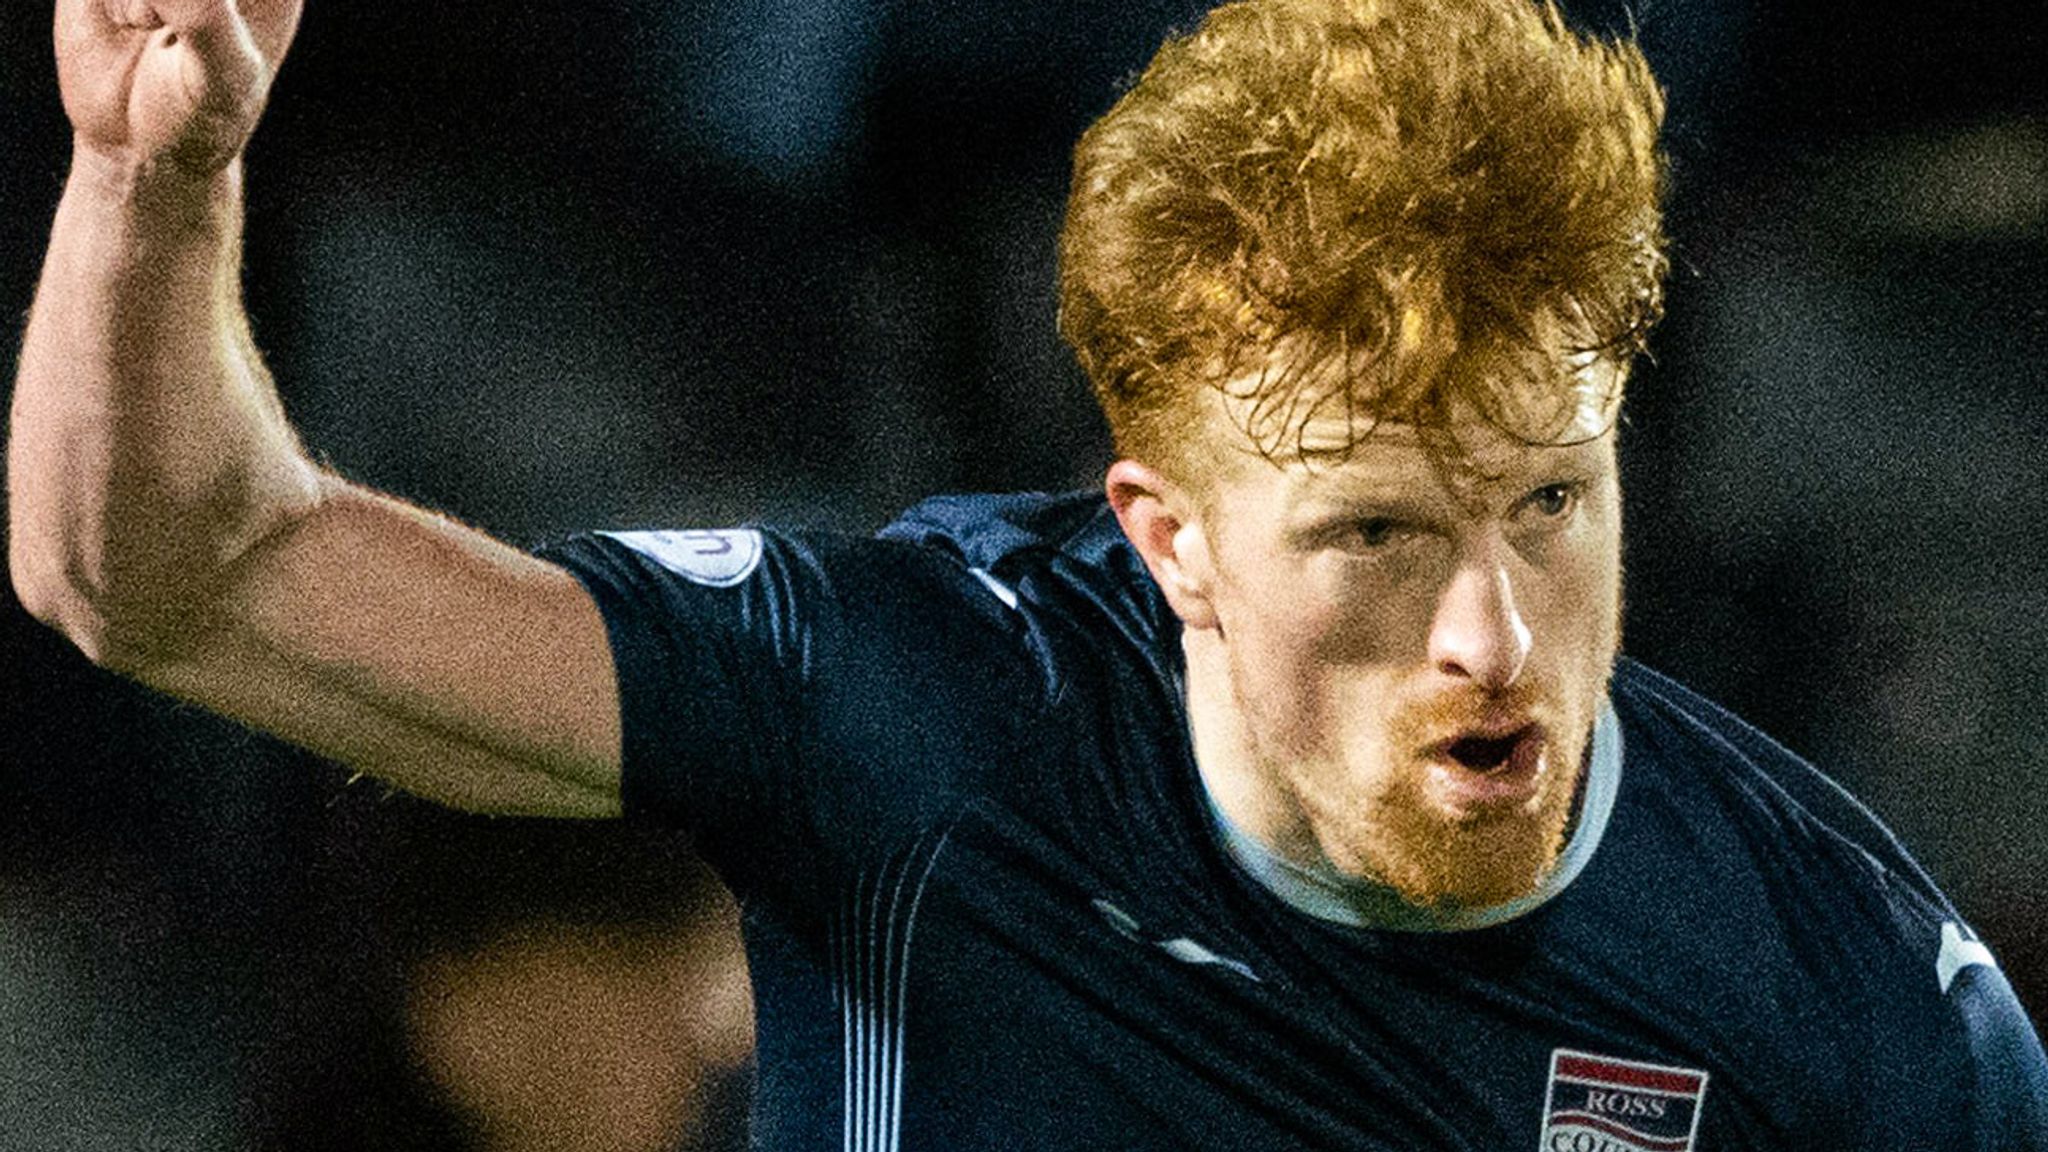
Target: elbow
{"x": 146, "y": 601}
{"x": 38, "y": 583}
{"x": 125, "y": 636}
{"x": 76, "y": 616}
{"x": 58, "y": 603}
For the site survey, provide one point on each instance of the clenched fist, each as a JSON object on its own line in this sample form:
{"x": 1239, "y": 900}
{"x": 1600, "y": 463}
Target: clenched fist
{"x": 149, "y": 83}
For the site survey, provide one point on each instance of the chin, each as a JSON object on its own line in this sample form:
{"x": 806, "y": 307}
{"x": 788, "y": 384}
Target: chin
{"x": 1473, "y": 867}
{"x": 1439, "y": 855}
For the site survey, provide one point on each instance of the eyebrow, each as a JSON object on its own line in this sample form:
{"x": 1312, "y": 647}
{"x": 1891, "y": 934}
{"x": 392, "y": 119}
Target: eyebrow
{"x": 1390, "y": 490}
{"x": 1356, "y": 504}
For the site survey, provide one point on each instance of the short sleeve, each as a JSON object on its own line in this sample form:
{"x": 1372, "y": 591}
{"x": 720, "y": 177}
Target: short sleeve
{"x": 796, "y": 701}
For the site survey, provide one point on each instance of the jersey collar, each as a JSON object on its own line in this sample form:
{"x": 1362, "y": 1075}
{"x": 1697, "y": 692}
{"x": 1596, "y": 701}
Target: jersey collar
{"x": 1321, "y": 891}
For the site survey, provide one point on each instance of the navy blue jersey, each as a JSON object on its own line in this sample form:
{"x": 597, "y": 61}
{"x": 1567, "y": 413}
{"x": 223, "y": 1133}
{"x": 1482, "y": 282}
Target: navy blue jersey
{"x": 987, "y": 904}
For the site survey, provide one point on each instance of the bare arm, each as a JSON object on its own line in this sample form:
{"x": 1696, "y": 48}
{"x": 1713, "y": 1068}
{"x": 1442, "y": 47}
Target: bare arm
{"x": 164, "y": 515}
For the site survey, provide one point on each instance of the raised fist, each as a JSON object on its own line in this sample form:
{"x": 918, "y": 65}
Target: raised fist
{"x": 178, "y": 82}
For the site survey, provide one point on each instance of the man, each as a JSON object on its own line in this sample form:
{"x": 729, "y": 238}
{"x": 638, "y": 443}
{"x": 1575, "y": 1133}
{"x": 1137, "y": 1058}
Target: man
{"x": 1292, "y": 798}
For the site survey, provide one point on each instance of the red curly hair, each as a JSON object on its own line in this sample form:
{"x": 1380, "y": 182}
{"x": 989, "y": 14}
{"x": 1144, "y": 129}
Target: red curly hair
{"x": 1296, "y": 198}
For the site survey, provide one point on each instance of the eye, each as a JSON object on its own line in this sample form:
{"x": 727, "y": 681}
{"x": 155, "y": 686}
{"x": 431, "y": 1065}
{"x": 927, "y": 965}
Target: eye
{"x": 1369, "y": 535}
{"x": 1377, "y": 532}
{"x": 1555, "y": 501}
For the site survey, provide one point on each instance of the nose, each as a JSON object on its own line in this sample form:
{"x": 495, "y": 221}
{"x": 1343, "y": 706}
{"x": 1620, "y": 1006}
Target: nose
{"x": 1478, "y": 634}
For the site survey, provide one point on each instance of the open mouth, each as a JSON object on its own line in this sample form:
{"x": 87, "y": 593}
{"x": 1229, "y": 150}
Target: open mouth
{"x": 1489, "y": 769}
{"x": 1488, "y": 754}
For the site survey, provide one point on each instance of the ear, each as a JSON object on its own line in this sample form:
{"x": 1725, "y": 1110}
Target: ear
{"x": 1161, "y": 523}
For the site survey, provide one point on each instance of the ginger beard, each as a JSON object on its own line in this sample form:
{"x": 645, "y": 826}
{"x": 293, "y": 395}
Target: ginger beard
{"x": 1363, "y": 760}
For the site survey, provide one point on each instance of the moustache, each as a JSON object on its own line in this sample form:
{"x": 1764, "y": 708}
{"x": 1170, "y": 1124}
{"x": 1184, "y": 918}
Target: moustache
{"x": 1462, "y": 714}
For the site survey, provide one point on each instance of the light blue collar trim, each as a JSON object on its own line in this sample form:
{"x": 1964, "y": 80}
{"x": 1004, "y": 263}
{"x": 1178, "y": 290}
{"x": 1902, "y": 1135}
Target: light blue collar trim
{"x": 1323, "y": 892}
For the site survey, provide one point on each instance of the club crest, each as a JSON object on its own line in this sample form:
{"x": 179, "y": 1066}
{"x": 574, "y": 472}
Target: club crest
{"x": 1601, "y": 1104}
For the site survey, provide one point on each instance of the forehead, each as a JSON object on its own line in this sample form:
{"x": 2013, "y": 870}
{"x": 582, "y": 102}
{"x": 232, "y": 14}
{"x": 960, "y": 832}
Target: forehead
{"x": 1334, "y": 453}
{"x": 1469, "y": 465}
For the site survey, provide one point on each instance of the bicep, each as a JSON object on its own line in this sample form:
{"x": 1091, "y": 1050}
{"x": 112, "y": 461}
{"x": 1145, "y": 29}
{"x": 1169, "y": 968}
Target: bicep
{"x": 409, "y": 647}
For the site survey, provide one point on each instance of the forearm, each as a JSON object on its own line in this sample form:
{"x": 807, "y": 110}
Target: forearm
{"x": 148, "y": 451}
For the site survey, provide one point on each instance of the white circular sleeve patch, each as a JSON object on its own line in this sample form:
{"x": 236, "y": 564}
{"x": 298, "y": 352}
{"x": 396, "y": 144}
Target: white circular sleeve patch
{"x": 718, "y": 558}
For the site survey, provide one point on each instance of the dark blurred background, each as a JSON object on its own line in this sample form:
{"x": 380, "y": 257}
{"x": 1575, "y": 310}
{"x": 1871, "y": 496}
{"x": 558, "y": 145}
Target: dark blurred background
{"x": 553, "y": 266}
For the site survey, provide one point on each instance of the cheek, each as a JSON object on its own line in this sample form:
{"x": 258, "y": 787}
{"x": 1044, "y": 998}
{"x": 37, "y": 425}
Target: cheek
{"x": 1309, "y": 615}
{"x": 1273, "y": 629}
{"x": 1591, "y": 574}
{"x": 1373, "y": 616}
{"x": 1314, "y": 658}
{"x": 1275, "y": 636}
{"x": 1574, "y": 610}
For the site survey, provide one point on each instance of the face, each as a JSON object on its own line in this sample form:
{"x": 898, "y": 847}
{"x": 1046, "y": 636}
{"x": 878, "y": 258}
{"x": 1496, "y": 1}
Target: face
{"x": 1410, "y": 657}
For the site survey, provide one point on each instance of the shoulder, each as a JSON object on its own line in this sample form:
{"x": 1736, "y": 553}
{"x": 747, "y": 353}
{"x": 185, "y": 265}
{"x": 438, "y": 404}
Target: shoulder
{"x": 987, "y": 529}
{"x": 1059, "y": 558}
{"x": 1021, "y": 530}
{"x": 1701, "y": 748}
{"x": 1033, "y": 590}
{"x": 772, "y": 579}
{"x": 800, "y": 685}
{"x": 1845, "y": 885}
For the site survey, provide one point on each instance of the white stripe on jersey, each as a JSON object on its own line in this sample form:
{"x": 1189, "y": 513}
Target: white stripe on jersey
{"x": 871, "y": 975}
{"x": 1958, "y": 953}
